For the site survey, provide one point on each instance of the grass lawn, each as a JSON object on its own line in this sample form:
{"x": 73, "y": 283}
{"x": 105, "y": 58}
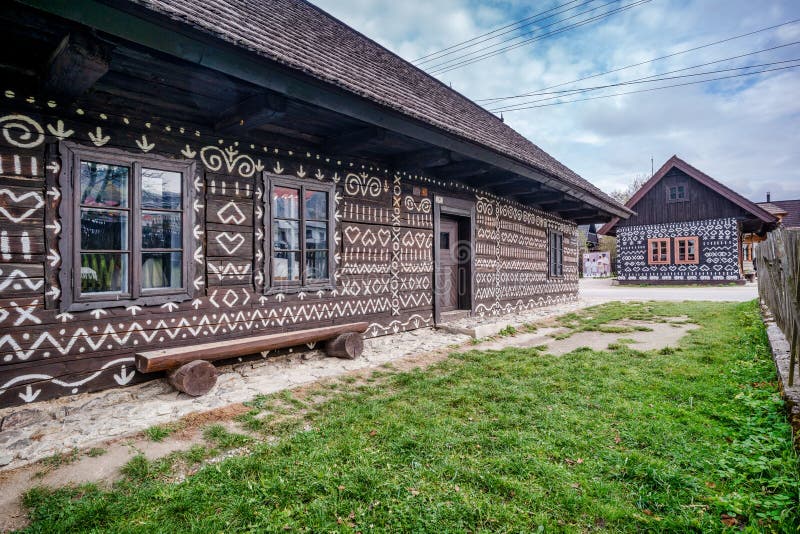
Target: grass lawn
{"x": 685, "y": 439}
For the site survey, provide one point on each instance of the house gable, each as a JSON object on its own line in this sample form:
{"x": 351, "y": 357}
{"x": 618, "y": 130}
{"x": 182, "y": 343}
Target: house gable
{"x": 679, "y": 192}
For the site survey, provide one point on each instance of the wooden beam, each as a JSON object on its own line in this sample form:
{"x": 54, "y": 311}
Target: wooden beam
{"x": 571, "y": 215}
{"x": 517, "y": 187}
{"x": 568, "y": 206}
{"x": 462, "y": 169}
{"x": 351, "y": 141}
{"x": 165, "y": 359}
{"x": 75, "y": 66}
{"x": 423, "y": 159}
{"x": 251, "y": 113}
{"x": 542, "y": 199}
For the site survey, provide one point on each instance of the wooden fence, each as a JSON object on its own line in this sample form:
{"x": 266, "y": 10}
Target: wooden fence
{"x": 778, "y": 264}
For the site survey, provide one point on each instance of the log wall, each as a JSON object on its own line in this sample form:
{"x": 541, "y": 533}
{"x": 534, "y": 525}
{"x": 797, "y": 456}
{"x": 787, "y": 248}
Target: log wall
{"x": 384, "y": 260}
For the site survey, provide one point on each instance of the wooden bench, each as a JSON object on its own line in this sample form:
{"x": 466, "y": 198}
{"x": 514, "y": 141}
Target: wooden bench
{"x": 189, "y": 369}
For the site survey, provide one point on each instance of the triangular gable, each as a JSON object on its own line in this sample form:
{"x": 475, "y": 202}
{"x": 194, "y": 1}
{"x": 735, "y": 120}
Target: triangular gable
{"x": 675, "y": 162}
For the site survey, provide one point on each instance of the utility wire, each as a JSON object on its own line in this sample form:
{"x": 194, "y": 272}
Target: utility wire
{"x": 654, "y": 77}
{"x": 654, "y": 88}
{"x": 493, "y": 47}
{"x": 470, "y": 43}
{"x": 457, "y": 63}
{"x": 534, "y": 93}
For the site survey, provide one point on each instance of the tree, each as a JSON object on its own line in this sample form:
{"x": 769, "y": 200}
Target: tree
{"x": 623, "y": 195}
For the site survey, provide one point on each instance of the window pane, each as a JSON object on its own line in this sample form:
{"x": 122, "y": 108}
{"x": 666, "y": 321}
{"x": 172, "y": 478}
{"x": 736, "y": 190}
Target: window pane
{"x": 161, "y": 230}
{"x": 316, "y": 205}
{"x": 286, "y": 235}
{"x": 161, "y": 270}
{"x": 316, "y": 234}
{"x": 104, "y": 229}
{"x": 104, "y": 185}
{"x": 161, "y": 189}
{"x": 104, "y": 273}
{"x": 285, "y": 202}
{"x": 286, "y": 266}
{"x": 317, "y": 265}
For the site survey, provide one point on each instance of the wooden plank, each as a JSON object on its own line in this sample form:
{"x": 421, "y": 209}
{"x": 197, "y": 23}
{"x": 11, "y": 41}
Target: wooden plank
{"x": 230, "y": 211}
{"x": 163, "y": 359}
{"x": 229, "y": 244}
{"x": 75, "y": 66}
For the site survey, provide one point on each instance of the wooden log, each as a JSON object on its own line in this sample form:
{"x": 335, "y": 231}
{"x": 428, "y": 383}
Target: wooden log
{"x": 194, "y": 378}
{"x": 164, "y": 359}
{"x": 348, "y": 346}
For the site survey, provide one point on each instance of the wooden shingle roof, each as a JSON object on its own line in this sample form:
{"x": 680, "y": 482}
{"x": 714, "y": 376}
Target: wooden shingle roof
{"x": 300, "y": 36}
{"x": 792, "y": 209}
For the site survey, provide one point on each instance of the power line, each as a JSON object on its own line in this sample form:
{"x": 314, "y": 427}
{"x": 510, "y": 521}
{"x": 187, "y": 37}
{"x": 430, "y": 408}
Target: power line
{"x": 655, "y": 88}
{"x": 519, "y": 24}
{"x": 448, "y": 62}
{"x": 534, "y": 93}
{"x": 450, "y": 65}
{"x": 654, "y": 77}
{"x": 493, "y": 47}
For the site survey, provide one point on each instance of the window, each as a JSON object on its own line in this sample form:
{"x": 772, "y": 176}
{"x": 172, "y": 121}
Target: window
{"x": 301, "y": 221}
{"x": 129, "y": 226}
{"x": 677, "y": 193}
{"x": 687, "y": 250}
{"x": 658, "y": 252}
{"x": 556, "y": 254}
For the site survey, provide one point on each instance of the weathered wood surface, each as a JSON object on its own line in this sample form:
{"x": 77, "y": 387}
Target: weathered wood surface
{"x": 383, "y": 243}
{"x": 348, "y": 346}
{"x": 778, "y": 263}
{"x": 194, "y": 378}
{"x": 164, "y": 359}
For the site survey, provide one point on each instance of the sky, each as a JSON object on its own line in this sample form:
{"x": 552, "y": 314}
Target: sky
{"x": 744, "y": 131}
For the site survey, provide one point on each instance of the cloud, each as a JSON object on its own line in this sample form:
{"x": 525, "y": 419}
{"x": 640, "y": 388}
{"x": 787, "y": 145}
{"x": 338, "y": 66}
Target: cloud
{"x": 744, "y": 132}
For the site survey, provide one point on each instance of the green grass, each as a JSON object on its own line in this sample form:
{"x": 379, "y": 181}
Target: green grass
{"x": 161, "y": 432}
{"x": 498, "y": 441}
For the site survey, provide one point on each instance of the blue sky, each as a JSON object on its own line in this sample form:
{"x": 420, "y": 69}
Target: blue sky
{"x": 744, "y": 132}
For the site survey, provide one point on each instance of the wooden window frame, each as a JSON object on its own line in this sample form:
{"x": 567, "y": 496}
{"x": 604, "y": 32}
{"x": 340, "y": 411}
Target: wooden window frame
{"x": 677, "y": 199}
{"x": 687, "y": 240}
{"x": 555, "y": 254}
{"x": 70, "y": 243}
{"x": 272, "y": 286}
{"x": 650, "y": 260}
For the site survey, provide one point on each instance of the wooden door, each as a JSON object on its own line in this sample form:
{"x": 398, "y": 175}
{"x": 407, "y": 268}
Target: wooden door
{"x": 447, "y": 293}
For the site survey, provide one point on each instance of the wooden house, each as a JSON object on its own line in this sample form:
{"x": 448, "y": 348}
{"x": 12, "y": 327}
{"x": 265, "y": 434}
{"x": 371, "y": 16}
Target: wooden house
{"x": 688, "y": 228}
{"x": 185, "y": 181}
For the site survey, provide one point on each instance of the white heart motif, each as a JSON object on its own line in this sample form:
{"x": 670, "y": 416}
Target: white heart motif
{"x": 230, "y": 241}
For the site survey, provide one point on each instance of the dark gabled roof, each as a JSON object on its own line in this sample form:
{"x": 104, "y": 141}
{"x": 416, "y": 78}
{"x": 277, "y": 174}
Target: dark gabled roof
{"x": 299, "y": 35}
{"x": 675, "y": 162}
{"x": 792, "y": 209}
{"x": 772, "y": 208}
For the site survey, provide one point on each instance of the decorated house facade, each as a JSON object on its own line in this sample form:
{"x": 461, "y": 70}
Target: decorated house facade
{"x": 178, "y": 175}
{"x": 688, "y": 228}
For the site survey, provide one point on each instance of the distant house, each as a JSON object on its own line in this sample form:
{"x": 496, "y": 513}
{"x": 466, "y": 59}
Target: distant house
{"x": 688, "y": 227}
{"x": 787, "y": 211}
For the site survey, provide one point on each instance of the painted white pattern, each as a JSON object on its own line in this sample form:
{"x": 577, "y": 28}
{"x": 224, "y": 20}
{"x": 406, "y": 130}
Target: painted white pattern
{"x": 21, "y": 131}
{"x": 16, "y": 199}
